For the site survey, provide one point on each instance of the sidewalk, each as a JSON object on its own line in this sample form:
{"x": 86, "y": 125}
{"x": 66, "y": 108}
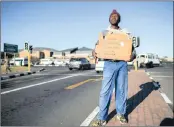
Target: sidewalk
{"x": 18, "y": 74}
{"x": 146, "y": 107}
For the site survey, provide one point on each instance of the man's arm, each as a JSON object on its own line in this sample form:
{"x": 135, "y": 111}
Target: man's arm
{"x": 93, "y": 52}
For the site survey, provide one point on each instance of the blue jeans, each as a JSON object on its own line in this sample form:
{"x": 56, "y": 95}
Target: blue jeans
{"x": 115, "y": 75}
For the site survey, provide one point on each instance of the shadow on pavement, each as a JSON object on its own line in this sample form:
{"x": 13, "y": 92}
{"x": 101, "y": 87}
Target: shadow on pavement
{"x": 167, "y": 122}
{"x": 135, "y": 100}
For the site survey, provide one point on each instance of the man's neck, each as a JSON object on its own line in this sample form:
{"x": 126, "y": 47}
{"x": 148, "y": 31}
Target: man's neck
{"x": 115, "y": 27}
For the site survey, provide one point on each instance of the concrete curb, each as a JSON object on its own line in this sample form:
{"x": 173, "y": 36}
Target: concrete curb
{"x": 20, "y": 74}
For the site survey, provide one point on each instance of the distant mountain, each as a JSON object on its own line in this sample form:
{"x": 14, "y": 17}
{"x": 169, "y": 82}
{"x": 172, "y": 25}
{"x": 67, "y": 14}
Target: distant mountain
{"x": 54, "y": 50}
{"x": 84, "y": 49}
{"x": 80, "y": 49}
{"x": 41, "y": 49}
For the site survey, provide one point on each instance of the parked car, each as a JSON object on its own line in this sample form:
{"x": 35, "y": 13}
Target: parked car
{"x": 148, "y": 60}
{"x": 79, "y": 63}
{"x": 58, "y": 62}
{"x": 46, "y": 62}
{"x": 99, "y": 65}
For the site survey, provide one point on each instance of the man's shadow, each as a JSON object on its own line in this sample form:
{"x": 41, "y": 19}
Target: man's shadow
{"x": 167, "y": 122}
{"x": 135, "y": 100}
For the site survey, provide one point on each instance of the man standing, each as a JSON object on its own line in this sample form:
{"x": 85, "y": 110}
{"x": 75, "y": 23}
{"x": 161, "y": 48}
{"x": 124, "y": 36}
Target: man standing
{"x": 115, "y": 75}
{"x": 7, "y": 65}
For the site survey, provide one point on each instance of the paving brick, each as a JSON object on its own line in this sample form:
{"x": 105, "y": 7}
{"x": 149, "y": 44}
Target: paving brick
{"x": 155, "y": 116}
{"x": 150, "y": 109}
{"x": 125, "y": 125}
{"x": 113, "y": 123}
{"x": 149, "y": 122}
{"x": 133, "y": 124}
{"x": 141, "y": 118}
{"x": 156, "y": 122}
{"x": 148, "y": 116}
{"x": 134, "y": 115}
{"x": 133, "y": 121}
{"x": 141, "y": 124}
{"x": 140, "y": 110}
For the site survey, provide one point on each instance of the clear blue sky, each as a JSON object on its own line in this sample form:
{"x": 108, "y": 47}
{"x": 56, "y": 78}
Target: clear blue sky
{"x": 62, "y": 25}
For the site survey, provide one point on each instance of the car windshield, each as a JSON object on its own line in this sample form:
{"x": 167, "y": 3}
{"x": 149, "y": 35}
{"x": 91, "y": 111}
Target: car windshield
{"x": 142, "y": 56}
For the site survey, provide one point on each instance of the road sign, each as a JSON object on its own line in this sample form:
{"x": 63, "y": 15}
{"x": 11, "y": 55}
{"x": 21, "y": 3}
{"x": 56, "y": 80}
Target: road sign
{"x": 26, "y": 46}
{"x": 10, "y": 48}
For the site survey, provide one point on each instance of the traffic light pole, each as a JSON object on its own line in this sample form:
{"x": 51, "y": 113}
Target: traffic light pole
{"x": 29, "y": 59}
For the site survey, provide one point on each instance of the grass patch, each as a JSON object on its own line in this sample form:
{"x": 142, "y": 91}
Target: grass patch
{"x": 14, "y": 69}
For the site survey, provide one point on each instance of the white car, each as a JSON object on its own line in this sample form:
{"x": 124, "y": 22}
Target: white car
{"x": 99, "y": 65}
{"x": 59, "y": 63}
{"x": 147, "y": 60}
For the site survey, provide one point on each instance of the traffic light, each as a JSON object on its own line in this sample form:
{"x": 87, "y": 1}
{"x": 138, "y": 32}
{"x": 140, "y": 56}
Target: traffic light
{"x": 30, "y": 48}
{"x": 26, "y": 46}
{"x": 136, "y": 42}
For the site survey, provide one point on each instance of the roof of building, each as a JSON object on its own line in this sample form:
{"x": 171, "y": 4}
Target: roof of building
{"x": 41, "y": 49}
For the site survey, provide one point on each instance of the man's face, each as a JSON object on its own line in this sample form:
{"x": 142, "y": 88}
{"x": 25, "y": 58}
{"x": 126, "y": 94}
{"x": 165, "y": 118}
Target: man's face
{"x": 114, "y": 19}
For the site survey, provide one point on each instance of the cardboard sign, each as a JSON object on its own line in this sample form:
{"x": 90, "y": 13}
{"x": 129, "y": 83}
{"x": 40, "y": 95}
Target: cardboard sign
{"x": 115, "y": 46}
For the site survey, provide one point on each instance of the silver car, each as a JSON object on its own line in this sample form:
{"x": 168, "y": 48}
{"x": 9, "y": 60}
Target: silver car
{"x": 79, "y": 63}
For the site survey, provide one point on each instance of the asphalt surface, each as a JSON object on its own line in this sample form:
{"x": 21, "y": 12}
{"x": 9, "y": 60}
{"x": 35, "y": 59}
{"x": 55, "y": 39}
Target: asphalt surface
{"x": 164, "y": 75}
{"x": 49, "y": 104}
{"x": 57, "y": 96}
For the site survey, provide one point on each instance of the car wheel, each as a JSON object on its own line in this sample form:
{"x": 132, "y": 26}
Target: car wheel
{"x": 98, "y": 71}
{"x": 70, "y": 68}
{"x": 151, "y": 65}
{"x": 89, "y": 67}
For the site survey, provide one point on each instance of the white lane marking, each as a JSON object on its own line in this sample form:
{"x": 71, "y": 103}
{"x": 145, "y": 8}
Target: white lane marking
{"x": 147, "y": 73}
{"x": 159, "y": 72}
{"x": 167, "y": 100}
{"x": 161, "y": 76}
{"x": 151, "y": 78}
{"x": 70, "y": 74}
{"x": 17, "y": 89}
{"x": 88, "y": 120}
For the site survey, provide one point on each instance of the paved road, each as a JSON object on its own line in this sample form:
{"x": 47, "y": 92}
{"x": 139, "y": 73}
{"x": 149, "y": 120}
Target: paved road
{"x": 47, "y": 102}
{"x": 164, "y": 75}
{"x": 54, "y": 97}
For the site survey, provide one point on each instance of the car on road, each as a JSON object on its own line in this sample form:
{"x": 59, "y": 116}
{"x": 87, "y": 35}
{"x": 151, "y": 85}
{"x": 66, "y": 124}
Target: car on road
{"x": 100, "y": 65}
{"x": 147, "y": 60}
{"x": 46, "y": 62}
{"x": 58, "y": 62}
{"x": 79, "y": 63}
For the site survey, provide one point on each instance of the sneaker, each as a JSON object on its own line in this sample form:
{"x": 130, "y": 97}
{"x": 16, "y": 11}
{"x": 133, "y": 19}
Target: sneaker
{"x": 122, "y": 119}
{"x": 99, "y": 123}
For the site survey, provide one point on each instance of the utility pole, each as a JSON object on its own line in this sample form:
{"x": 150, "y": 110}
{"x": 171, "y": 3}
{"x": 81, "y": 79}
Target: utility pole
{"x": 26, "y": 47}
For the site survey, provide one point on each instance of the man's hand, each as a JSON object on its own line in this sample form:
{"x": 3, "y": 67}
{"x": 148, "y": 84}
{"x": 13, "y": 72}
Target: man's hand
{"x": 94, "y": 54}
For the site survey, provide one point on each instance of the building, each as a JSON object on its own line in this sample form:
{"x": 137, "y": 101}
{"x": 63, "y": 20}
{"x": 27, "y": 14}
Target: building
{"x": 39, "y": 52}
{"x": 81, "y": 52}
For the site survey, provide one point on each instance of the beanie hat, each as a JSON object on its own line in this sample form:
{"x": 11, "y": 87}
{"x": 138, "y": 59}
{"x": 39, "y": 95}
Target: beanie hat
{"x": 115, "y": 12}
